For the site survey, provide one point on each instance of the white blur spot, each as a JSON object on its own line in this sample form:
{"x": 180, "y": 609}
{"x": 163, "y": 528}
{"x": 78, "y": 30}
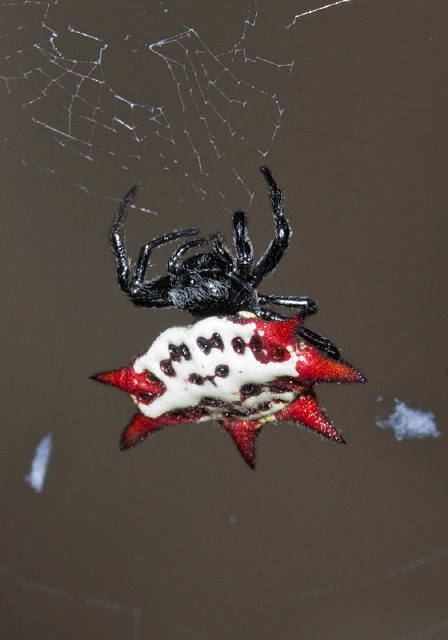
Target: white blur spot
{"x": 409, "y": 423}
{"x": 232, "y": 519}
{"x": 36, "y": 476}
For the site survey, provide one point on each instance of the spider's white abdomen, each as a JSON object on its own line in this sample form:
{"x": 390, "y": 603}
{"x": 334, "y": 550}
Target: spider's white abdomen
{"x": 213, "y": 363}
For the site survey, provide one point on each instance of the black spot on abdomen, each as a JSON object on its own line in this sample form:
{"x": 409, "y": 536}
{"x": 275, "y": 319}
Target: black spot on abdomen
{"x": 211, "y": 402}
{"x": 206, "y": 345}
{"x": 256, "y": 344}
{"x": 195, "y": 378}
{"x": 238, "y": 345}
{"x": 250, "y": 390}
{"x": 222, "y": 371}
{"x": 167, "y": 367}
{"x": 177, "y": 352}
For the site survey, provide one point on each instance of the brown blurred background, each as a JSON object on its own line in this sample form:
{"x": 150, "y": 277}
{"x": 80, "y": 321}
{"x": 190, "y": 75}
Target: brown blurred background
{"x": 178, "y": 538}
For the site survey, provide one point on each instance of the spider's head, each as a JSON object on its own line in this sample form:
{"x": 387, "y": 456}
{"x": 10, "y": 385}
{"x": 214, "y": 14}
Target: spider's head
{"x": 205, "y": 285}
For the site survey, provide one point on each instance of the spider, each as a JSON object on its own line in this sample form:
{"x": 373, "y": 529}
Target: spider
{"x": 214, "y": 283}
{"x": 239, "y": 363}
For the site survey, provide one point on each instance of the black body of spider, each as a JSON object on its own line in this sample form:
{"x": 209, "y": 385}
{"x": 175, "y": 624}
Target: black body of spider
{"x": 214, "y": 283}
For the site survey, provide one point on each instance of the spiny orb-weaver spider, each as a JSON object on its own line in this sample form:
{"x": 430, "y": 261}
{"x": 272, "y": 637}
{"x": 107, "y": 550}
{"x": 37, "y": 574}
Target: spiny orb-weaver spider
{"x": 240, "y": 363}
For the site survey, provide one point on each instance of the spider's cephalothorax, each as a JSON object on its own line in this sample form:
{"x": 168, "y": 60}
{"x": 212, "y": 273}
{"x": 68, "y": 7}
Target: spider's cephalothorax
{"x": 214, "y": 283}
{"x": 240, "y": 363}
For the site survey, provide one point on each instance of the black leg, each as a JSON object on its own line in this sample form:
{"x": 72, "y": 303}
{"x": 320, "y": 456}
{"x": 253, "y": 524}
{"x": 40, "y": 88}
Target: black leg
{"x": 131, "y": 285}
{"x": 243, "y": 246}
{"x": 221, "y": 249}
{"x": 179, "y": 252}
{"x": 267, "y": 314}
{"x": 117, "y": 238}
{"x": 279, "y": 245}
{"x": 146, "y": 250}
{"x": 323, "y": 344}
{"x": 305, "y": 305}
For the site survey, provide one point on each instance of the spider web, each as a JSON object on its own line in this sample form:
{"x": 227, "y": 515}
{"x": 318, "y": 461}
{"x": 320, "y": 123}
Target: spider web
{"x": 65, "y": 78}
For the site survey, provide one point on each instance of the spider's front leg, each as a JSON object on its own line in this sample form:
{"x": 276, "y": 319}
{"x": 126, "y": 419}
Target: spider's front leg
{"x": 243, "y": 246}
{"x": 142, "y": 293}
{"x": 279, "y": 245}
{"x": 117, "y": 238}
